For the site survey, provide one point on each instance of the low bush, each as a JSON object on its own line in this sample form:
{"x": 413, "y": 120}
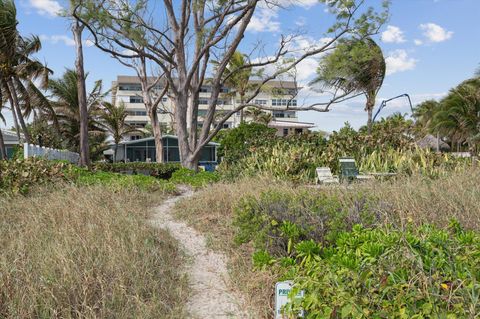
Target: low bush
{"x": 159, "y": 170}
{"x": 421, "y": 272}
{"x": 194, "y": 179}
{"x": 87, "y": 253}
{"x": 116, "y": 181}
{"x": 353, "y": 260}
{"x": 277, "y": 220}
{"x": 19, "y": 176}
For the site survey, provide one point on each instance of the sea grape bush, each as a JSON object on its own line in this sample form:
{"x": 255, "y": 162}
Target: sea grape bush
{"x": 352, "y": 263}
{"x": 391, "y": 273}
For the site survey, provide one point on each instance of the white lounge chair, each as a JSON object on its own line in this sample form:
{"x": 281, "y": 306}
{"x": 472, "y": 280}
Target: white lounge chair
{"x": 324, "y": 176}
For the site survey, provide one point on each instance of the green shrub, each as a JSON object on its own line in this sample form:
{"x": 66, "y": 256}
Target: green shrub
{"x": 115, "y": 181}
{"x": 236, "y": 143}
{"x": 389, "y": 273}
{"x": 17, "y": 176}
{"x": 277, "y": 221}
{"x": 194, "y": 179}
{"x": 159, "y": 170}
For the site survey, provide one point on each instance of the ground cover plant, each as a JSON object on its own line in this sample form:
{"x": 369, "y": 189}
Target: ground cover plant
{"x": 87, "y": 252}
{"x": 264, "y": 227}
{"x": 159, "y": 170}
{"x": 19, "y": 176}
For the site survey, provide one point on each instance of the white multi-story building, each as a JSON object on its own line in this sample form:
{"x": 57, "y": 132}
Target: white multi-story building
{"x": 127, "y": 90}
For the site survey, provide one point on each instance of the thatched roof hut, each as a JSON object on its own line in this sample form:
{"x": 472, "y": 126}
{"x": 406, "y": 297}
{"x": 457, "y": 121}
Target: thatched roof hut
{"x": 431, "y": 141}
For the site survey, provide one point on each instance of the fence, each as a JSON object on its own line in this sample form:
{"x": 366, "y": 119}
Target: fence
{"x": 30, "y": 150}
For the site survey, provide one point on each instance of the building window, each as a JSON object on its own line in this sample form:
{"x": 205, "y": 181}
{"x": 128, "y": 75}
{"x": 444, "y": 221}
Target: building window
{"x": 137, "y": 113}
{"x": 129, "y": 87}
{"x": 284, "y": 114}
{"x": 285, "y": 131}
{"x": 261, "y": 102}
{"x": 298, "y": 131}
{"x": 284, "y": 102}
{"x": 135, "y": 137}
{"x": 164, "y": 99}
{"x": 136, "y": 99}
{"x": 203, "y": 101}
{"x": 226, "y": 125}
{"x": 205, "y": 89}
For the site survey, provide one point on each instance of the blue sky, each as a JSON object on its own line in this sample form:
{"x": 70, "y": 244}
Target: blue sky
{"x": 430, "y": 45}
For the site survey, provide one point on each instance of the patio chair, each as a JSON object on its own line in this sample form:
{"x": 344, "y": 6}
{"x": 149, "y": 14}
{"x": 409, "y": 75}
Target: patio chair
{"x": 349, "y": 170}
{"x": 324, "y": 176}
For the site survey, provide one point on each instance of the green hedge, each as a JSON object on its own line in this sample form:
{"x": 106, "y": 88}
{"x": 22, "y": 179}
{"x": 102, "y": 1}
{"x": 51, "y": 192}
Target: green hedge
{"x": 19, "y": 176}
{"x": 159, "y": 170}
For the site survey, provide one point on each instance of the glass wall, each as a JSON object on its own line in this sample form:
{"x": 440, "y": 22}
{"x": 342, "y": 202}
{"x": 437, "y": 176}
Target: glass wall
{"x": 145, "y": 150}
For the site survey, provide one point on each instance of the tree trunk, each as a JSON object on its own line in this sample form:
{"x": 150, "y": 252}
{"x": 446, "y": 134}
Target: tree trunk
{"x": 82, "y": 95}
{"x": 16, "y": 106}
{"x": 115, "y": 153}
{"x": 15, "y": 119}
{"x": 187, "y": 158}
{"x": 3, "y": 149}
{"x": 157, "y": 135}
{"x": 369, "y": 108}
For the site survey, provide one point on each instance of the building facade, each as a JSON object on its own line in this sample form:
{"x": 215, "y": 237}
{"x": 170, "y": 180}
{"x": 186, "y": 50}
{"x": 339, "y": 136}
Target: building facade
{"x": 127, "y": 90}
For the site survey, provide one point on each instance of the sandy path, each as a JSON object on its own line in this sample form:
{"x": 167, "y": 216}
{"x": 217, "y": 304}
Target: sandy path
{"x": 208, "y": 276}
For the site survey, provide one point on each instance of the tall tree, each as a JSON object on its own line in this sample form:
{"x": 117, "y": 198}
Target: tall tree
{"x": 356, "y": 65}
{"x": 112, "y": 119}
{"x": 238, "y": 78}
{"x": 64, "y": 92}
{"x": 19, "y": 70}
{"x": 183, "y": 37}
{"x": 3, "y": 149}
{"x": 458, "y": 116}
{"x": 77, "y": 30}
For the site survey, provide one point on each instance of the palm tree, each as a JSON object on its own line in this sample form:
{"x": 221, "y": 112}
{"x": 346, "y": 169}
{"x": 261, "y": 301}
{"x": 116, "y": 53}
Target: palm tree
{"x": 459, "y": 114}
{"x": 112, "y": 119}
{"x": 355, "y": 66}
{"x": 65, "y": 93}
{"x": 424, "y": 114}
{"x": 237, "y": 77}
{"x": 258, "y": 116}
{"x": 18, "y": 70}
{"x": 3, "y": 149}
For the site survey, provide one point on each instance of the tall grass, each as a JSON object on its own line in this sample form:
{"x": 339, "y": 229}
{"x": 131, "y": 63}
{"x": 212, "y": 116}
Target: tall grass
{"x": 86, "y": 253}
{"x": 414, "y": 199}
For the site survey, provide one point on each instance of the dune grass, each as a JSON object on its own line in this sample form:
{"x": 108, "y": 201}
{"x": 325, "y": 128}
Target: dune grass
{"x": 414, "y": 199}
{"x": 87, "y": 252}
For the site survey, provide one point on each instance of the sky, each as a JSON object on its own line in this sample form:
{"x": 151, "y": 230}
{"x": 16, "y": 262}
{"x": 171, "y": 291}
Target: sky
{"x": 430, "y": 46}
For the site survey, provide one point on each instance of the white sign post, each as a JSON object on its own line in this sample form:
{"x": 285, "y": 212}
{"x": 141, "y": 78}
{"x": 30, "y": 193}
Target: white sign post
{"x": 282, "y": 289}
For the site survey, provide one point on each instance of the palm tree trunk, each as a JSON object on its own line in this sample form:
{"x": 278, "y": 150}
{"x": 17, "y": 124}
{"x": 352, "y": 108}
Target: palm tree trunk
{"x": 82, "y": 95}
{"x": 115, "y": 153}
{"x": 16, "y": 106}
{"x": 14, "y": 115}
{"x": 3, "y": 149}
{"x": 369, "y": 108}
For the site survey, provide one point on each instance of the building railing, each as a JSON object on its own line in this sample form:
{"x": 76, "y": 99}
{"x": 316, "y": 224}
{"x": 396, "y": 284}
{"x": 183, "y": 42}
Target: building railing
{"x": 30, "y": 150}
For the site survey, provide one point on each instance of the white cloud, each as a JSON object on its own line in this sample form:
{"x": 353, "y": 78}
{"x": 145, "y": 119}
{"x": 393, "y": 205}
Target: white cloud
{"x": 307, "y": 3}
{"x": 306, "y": 69}
{"x": 54, "y": 39}
{"x": 89, "y": 43}
{"x": 418, "y": 42}
{"x": 393, "y": 34}
{"x": 435, "y": 33}
{"x": 399, "y": 61}
{"x": 265, "y": 20}
{"x": 46, "y": 7}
